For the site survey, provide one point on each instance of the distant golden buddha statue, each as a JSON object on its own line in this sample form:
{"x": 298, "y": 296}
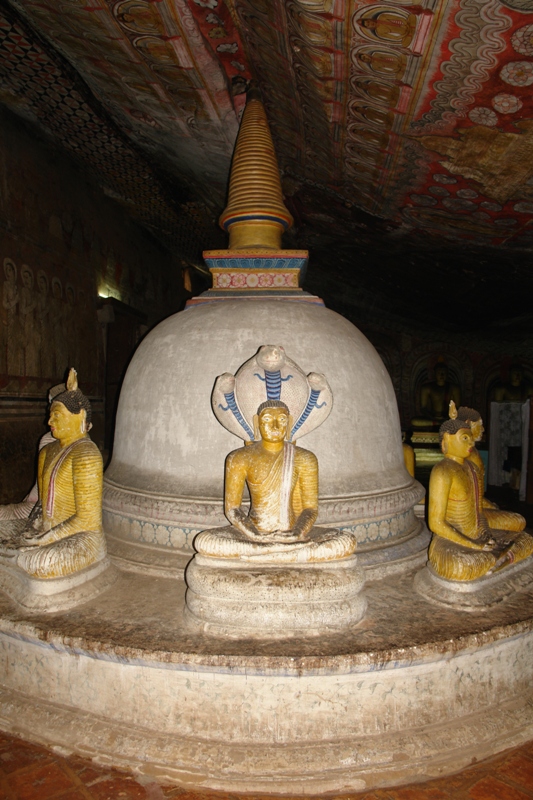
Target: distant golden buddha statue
{"x": 517, "y": 390}
{"x": 435, "y": 398}
{"x": 464, "y": 547}
{"x": 282, "y": 480}
{"x": 390, "y": 26}
{"x": 503, "y": 520}
{"x": 409, "y": 459}
{"x": 64, "y": 532}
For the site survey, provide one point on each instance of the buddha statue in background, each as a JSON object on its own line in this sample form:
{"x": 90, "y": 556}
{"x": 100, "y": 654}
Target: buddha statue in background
{"x": 409, "y": 458}
{"x": 63, "y": 534}
{"x": 435, "y": 397}
{"x": 282, "y": 480}
{"x": 496, "y": 518}
{"x": 517, "y": 390}
{"x": 464, "y": 547}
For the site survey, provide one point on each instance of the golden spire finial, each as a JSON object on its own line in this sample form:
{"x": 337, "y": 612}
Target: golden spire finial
{"x": 255, "y": 216}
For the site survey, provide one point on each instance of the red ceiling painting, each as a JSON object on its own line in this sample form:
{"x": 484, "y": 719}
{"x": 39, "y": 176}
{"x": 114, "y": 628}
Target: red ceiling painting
{"x": 419, "y": 113}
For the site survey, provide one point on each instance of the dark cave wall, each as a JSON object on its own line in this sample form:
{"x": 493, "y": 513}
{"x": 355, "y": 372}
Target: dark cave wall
{"x": 62, "y": 244}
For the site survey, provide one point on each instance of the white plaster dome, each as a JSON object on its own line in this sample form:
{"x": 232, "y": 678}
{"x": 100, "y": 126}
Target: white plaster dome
{"x": 165, "y": 480}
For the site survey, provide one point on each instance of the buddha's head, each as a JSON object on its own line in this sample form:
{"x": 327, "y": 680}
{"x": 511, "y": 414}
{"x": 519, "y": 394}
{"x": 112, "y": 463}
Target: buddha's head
{"x": 273, "y": 419}
{"x": 70, "y": 412}
{"x": 441, "y": 374}
{"x": 457, "y": 440}
{"x": 27, "y": 276}
{"x": 516, "y": 375}
{"x": 42, "y": 282}
{"x": 10, "y": 270}
{"x": 472, "y": 418}
{"x": 369, "y": 23}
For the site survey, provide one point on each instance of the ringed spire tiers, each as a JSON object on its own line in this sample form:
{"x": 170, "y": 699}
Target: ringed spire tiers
{"x": 254, "y": 265}
{"x": 255, "y": 216}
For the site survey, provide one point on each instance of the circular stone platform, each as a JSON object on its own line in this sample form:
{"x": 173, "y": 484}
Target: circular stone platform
{"x": 412, "y": 692}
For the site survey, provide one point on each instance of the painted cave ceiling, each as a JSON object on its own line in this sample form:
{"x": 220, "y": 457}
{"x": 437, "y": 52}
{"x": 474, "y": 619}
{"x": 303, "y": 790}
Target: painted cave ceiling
{"x": 404, "y": 133}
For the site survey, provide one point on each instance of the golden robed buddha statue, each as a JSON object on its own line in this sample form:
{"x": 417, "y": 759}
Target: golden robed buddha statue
{"x": 501, "y": 520}
{"x": 435, "y": 397}
{"x": 64, "y": 533}
{"x": 464, "y": 547}
{"x": 282, "y": 480}
{"x": 273, "y": 572}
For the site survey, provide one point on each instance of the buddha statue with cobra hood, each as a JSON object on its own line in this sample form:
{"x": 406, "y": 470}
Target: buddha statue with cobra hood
{"x": 273, "y": 571}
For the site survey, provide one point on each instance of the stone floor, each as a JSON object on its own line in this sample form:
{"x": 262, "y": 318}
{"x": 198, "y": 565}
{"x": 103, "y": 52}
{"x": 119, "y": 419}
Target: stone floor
{"x": 28, "y": 772}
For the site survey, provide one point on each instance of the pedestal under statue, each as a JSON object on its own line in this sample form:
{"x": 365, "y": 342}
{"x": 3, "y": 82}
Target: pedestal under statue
{"x": 272, "y": 572}
{"x": 61, "y": 545}
{"x": 466, "y": 554}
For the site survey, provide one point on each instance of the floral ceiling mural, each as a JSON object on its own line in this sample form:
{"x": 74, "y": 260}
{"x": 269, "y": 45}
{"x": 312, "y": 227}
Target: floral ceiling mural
{"x": 418, "y": 114}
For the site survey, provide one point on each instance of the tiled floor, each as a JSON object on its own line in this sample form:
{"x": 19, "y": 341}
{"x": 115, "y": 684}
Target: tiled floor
{"x": 28, "y": 772}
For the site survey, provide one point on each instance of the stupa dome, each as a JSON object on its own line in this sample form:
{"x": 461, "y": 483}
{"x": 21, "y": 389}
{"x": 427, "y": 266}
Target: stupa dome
{"x": 165, "y": 481}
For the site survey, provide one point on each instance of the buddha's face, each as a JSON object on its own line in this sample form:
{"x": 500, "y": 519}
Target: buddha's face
{"x": 477, "y": 429}
{"x": 63, "y": 424}
{"x": 516, "y": 376}
{"x": 458, "y": 445}
{"x": 273, "y": 424}
{"x": 441, "y": 375}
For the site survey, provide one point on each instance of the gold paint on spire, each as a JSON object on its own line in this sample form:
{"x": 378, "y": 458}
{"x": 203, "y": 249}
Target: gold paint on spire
{"x": 255, "y": 216}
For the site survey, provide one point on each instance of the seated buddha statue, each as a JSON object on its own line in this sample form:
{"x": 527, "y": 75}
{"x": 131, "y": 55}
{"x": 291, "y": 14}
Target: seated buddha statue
{"x": 282, "y": 480}
{"x": 502, "y": 520}
{"x": 63, "y": 534}
{"x": 435, "y": 397}
{"x": 464, "y": 547}
{"x": 516, "y": 390}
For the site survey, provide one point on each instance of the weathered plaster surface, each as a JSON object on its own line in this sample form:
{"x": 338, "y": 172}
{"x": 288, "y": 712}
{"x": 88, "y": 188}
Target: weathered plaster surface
{"x": 413, "y": 690}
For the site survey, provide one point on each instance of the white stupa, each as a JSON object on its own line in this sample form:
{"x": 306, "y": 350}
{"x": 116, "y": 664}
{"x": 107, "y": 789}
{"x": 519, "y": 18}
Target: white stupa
{"x": 165, "y": 480}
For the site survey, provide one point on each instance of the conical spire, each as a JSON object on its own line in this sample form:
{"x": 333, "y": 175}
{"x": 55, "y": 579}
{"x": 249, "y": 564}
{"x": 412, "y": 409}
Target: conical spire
{"x": 255, "y": 216}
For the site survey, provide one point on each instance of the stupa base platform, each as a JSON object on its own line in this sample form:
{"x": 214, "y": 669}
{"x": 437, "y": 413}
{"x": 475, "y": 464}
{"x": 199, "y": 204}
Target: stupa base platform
{"x": 415, "y": 691}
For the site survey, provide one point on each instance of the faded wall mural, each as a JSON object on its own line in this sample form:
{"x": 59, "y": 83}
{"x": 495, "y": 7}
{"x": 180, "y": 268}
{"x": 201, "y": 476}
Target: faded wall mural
{"x": 47, "y": 325}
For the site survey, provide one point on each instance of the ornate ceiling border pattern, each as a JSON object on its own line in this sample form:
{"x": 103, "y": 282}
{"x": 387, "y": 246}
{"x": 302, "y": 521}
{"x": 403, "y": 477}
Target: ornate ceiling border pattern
{"x": 478, "y": 184}
{"x": 153, "y": 69}
{"x": 416, "y": 112}
{"x": 45, "y": 93}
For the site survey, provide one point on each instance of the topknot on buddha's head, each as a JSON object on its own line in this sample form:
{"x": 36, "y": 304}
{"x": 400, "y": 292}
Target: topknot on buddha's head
{"x": 467, "y": 414}
{"x": 73, "y": 398}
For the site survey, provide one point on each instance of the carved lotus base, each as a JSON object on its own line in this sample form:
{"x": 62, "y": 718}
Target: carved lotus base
{"x": 478, "y": 595}
{"x": 274, "y": 590}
